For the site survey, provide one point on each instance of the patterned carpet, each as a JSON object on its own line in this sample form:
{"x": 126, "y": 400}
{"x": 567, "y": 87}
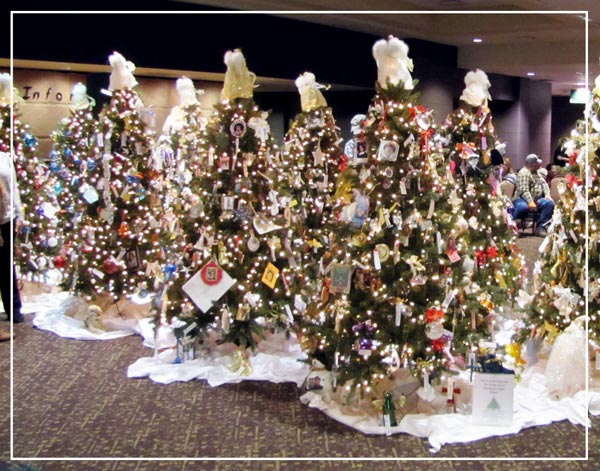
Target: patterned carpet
{"x": 72, "y": 399}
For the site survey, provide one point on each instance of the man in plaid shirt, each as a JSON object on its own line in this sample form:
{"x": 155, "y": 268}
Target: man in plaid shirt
{"x": 530, "y": 194}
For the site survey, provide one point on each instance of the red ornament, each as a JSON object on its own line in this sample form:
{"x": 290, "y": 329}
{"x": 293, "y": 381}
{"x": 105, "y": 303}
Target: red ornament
{"x": 343, "y": 162}
{"x": 434, "y": 314}
{"x": 110, "y": 266}
{"x": 492, "y": 252}
{"x": 60, "y": 261}
{"x": 211, "y": 273}
{"x": 438, "y": 345}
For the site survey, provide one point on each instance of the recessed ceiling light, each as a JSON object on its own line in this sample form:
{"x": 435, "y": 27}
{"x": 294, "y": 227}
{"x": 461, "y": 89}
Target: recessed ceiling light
{"x": 531, "y": 74}
{"x": 477, "y": 40}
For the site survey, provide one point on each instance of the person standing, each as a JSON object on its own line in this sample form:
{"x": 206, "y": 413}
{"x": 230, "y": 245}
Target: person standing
{"x": 530, "y": 195}
{"x": 11, "y": 215}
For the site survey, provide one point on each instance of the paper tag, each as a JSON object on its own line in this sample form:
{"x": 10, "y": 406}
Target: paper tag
{"x": 439, "y": 241}
{"x": 453, "y": 255}
{"x": 450, "y": 389}
{"x": 448, "y": 299}
{"x": 426, "y": 384}
{"x": 97, "y": 273}
{"x": 189, "y": 328}
{"x": 398, "y": 314}
{"x": 138, "y": 148}
{"x": 365, "y": 352}
{"x": 90, "y": 195}
{"x": 100, "y": 139}
{"x": 402, "y": 187}
{"x": 573, "y": 235}
{"x": 431, "y": 208}
{"x": 299, "y": 304}
{"x": 123, "y": 140}
{"x": 387, "y": 424}
{"x": 376, "y": 260}
{"x": 483, "y": 143}
{"x": 544, "y": 245}
{"x": 225, "y": 320}
{"x": 288, "y": 311}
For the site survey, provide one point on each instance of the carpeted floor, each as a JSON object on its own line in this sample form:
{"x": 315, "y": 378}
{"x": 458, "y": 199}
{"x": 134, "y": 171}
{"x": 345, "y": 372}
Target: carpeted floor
{"x": 72, "y": 399}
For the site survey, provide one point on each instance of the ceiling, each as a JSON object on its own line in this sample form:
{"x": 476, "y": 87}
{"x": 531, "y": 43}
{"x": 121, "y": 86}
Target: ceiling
{"x": 544, "y": 37}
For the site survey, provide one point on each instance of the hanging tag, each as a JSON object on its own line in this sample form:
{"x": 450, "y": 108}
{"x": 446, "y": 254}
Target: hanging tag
{"x": 211, "y": 156}
{"x": 225, "y": 320}
{"x": 431, "y": 208}
{"x": 123, "y": 140}
{"x": 189, "y": 328}
{"x": 402, "y": 187}
{"x": 573, "y": 235}
{"x": 449, "y": 176}
{"x": 483, "y": 143}
{"x": 387, "y": 424}
{"x": 450, "y": 389}
{"x": 544, "y": 245}
{"x": 439, "y": 242}
{"x": 376, "y": 260}
{"x": 299, "y": 304}
{"x": 398, "y": 314}
{"x": 453, "y": 255}
{"x": 448, "y": 299}
{"x": 288, "y": 311}
{"x": 408, "y": 140}
{"x": 426, "y": 384}
{"x": 100, "y": 139}
{"x": 138, "y": 148}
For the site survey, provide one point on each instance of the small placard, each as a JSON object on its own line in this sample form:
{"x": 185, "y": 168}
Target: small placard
{"x": 453, "y": 255}
{"x": 493, "y": 399}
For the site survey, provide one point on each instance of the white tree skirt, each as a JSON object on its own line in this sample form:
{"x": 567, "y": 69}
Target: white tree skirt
{"x": 279, "y": 359}
{"x": 276, "y": 359}
{"x": 49, "y": 311}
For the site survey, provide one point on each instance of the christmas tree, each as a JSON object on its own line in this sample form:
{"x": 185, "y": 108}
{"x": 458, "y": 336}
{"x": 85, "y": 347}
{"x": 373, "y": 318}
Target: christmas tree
{"x": 177, "y": 159}
{"x": 559, "y": 275}
{"x": 390, "y": 269}
{"x": 593, "y": 191}
{"x": 240, "y": 244}
{"x": 123, "y": 233}
{"x": 40, "y": 238}
{"x": 311, "y": 161}
{"x": 75, "y": 147}
{"x": 494, "y": 266}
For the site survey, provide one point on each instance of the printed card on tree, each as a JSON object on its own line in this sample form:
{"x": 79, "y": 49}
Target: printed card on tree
{"x": 493, "y": 399}
{"x": 208, "y": 285}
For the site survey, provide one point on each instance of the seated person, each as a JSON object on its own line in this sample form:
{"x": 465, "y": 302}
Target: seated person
{"x": 529, "y": 194}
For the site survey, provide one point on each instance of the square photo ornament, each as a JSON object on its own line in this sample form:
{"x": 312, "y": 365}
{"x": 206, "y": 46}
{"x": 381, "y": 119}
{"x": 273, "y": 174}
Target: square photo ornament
{"x": 208, "y": 285}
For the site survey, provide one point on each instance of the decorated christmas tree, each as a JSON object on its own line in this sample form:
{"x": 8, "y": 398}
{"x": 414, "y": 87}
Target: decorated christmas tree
{"x": 75, "y": 147}
{"x": 593, "y": 191}
{"x": 311, "y": 161}
{"x": 40, "y": 238}
{"x": 239, "y": 251}
{"x": 122, "y": 235}
{"x": 494, "y": 266}
{"x": 390, "y": 269}
{"x": 176, "y": 160}
{"x": 559, "y": 275}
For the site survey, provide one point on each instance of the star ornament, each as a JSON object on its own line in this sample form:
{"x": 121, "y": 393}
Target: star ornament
{"x": 318, "y": 156}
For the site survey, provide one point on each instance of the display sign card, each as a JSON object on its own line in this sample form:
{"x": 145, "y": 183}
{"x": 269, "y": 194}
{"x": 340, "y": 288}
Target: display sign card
{"x": 493, "y": 399}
